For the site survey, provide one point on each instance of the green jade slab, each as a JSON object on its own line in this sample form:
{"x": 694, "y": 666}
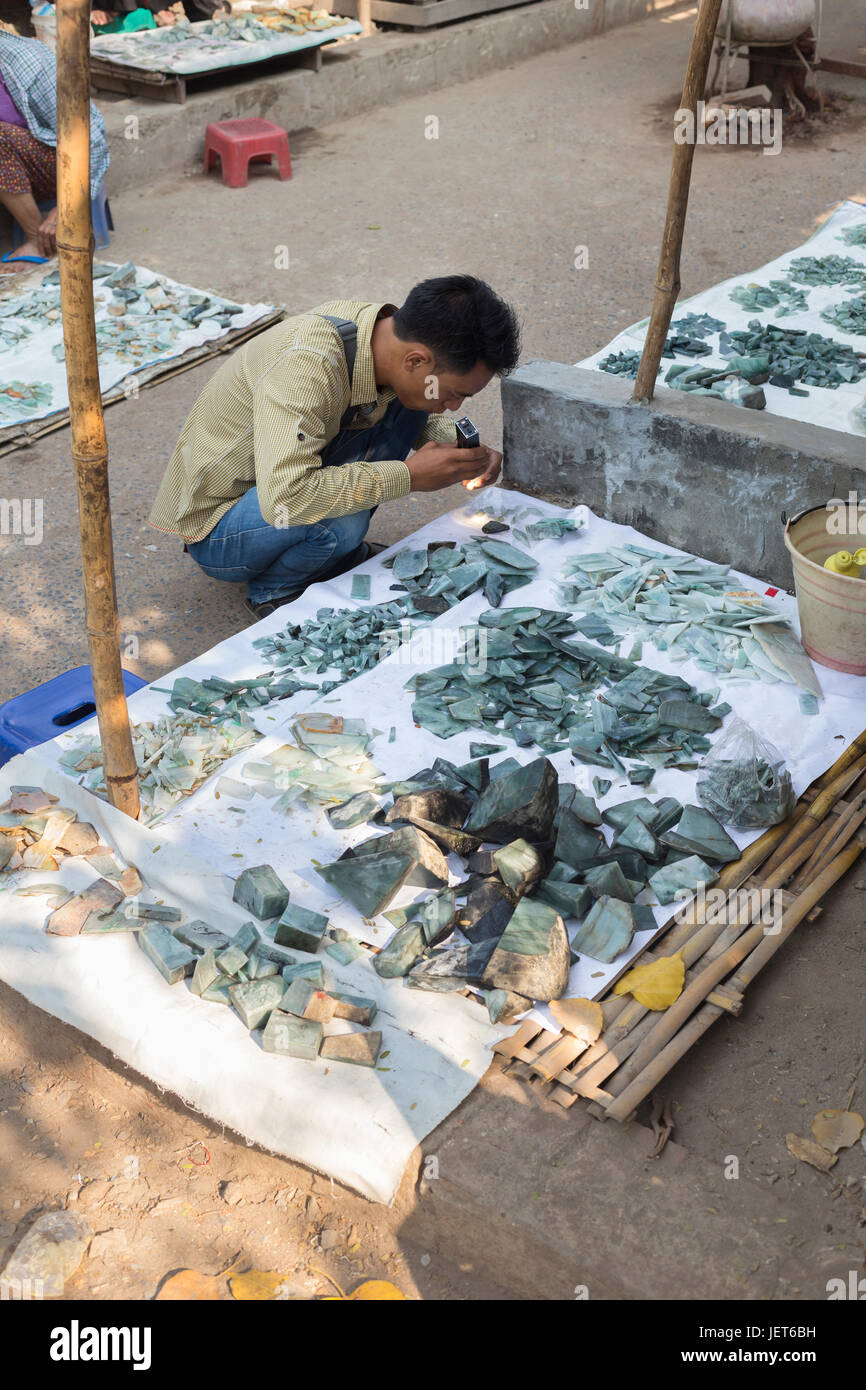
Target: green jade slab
{"x": 369, "y": 882}
{"x": 255, "y": 1000}
{"x": 519, "y": 865}
{"x": 312, "y": 970}
{"x": 607, "y": 931}
{"x": 292, "y": 1037}
{"x": 357, "y": 1049}
{"x": 681, "y": 879}
{"x": 231, "y": 960}
{"x": 301, "y": 929}
{"x": 354, "y": 811}
{"x": 172, "y": 959}
{"x": 261, "y": 892}
{"x": 206, "y": 972}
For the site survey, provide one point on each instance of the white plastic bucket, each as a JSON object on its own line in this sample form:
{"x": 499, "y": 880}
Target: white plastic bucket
{"x": 832, "y": 606}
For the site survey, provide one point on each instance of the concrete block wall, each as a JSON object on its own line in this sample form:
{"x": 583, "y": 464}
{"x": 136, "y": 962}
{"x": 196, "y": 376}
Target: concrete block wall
{"x": 709, "y": 477}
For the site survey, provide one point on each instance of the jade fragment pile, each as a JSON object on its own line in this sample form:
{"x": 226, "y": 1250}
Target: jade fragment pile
{"x": 175, "y": 755}
{"x": 688, "y": 608}
{"x": 542, "y": 687}
{"x": 794, "y": 355}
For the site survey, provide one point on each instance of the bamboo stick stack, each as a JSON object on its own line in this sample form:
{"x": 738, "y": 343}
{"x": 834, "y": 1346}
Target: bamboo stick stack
{"x": 723, "y": 947}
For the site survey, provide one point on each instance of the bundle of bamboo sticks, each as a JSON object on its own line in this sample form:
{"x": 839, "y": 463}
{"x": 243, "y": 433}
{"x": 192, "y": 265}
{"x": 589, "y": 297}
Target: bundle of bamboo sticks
{"x": 723, "y": 947}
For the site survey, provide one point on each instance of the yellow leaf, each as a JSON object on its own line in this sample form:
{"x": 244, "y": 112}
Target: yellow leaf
{"x": 837, "y": 1129}
{"x": 189, "y": 1286}
{"x": 809, "y": 1152}
{"x": 580, "y": 1017}
{"x": 257, "y": 1285}
{"x": 656, "y": 985}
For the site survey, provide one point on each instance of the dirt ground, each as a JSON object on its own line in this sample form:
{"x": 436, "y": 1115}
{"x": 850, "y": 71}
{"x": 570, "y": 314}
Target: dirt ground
{"x": 371, "y": 209}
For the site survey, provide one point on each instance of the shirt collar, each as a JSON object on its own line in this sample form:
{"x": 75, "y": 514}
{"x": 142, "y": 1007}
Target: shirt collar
{"x": 364, "y": 376}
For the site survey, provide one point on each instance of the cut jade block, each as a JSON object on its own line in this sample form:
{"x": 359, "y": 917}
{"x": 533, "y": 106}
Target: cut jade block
{"x": 172, "y": 959}
{"x": 300, "y": 928}
{"x": 261, "y": 892}
{"x": 292, "y": 1037}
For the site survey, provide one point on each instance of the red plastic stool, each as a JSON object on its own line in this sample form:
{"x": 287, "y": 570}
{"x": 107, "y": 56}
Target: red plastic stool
{"x": 238, "y": 143}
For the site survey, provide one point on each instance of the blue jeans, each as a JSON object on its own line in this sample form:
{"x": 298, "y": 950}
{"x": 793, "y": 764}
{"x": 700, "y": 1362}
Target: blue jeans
{"x": 275, "y": 560}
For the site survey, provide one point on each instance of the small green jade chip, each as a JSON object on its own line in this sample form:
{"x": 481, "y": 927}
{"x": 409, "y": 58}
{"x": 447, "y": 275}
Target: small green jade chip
{"x": 206, "y": 972}
{"x": 300, "y": 928}
{"x": 172, "y": 959}
{"x": 292, "y": 1037}
{"x": 231, "y": 960}
{"x": 261, "y": 892}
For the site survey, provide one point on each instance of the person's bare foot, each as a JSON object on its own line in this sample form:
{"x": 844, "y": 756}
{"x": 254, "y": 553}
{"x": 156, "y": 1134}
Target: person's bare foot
{"x": 17, "y": 266}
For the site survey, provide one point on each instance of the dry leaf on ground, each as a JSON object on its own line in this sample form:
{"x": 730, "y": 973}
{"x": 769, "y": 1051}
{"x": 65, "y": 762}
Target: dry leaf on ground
{"x": 656, "y": 985}
{"x": 580, "y": 1017}
{"x": 258, "y": 1285}
{"x": 837, "y": 1129}
{"x": 372, "y": 1291}
{"x": 810, "y": 1152}
{"x": 189, "y": 1286}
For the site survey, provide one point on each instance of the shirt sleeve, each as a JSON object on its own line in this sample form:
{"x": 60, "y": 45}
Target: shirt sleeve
{"x": 439, "y": 429}
{"x": 289, "y": 433}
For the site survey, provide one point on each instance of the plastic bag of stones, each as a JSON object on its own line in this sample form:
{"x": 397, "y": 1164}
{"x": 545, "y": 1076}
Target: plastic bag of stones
{"x": 744, "y": 782}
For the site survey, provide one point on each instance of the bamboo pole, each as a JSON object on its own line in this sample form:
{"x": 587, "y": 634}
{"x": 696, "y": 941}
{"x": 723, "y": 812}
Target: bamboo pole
{"x": 89, "y": 444}
{"x": 667, "y": 286}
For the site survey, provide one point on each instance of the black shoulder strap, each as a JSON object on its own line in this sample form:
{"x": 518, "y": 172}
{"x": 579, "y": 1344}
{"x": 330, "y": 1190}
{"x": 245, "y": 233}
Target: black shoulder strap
{"x": 348, "y": 331}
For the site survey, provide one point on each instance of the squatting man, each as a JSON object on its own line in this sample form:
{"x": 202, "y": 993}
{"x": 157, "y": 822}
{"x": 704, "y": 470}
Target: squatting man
{"x": 309, "y": 427}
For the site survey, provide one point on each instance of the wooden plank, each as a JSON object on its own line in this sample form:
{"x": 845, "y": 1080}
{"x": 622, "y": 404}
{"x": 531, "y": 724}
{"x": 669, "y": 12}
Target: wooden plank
{"x": 850, "y": 67}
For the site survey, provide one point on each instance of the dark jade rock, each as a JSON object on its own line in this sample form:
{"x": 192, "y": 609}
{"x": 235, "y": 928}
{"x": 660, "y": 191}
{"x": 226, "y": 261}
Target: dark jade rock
{"x": 481, "y": 862}
{"x": 486, "y": 913}
{"x": 607, "y": 931}
{"x": 352, "y": 812}
{"x": 644, "y": 917}
{"x": 609, "y": 880}
{"x": 504, "y": 1006}
{"x": 475, "y": 774}
{"x": 406, "y": 946}
{"x": 492, "y": 527}
{"x": 698, "y": 832}
{"x": 584, "y": 807}
{"x": 639, "y": 837}
{"x": 429, "y": 867}
{"x": 458, "y": 963}
{"x": 675, "y": 881}
{"x": 519, "y": 865}
{"x": 620, "y": 815}
{"x": 452, "y": 841}
{"x": 563, "y": 873}
{"x": 569, "y": 899}
{"x": 576, "y": 843}
{"x": 439, "y": 805}
{"x": 531, "y": 956}
{"x": 668, "y": 811}
{"x": 301, "y": 928}
{"x": 261, "y": 892}
{"x": 520, "y": 804}
{"x": 369, "y": 882}
{"x": 632, "y": 864}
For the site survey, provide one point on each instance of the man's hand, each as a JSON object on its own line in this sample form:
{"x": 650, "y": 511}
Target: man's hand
{"x": 436, "y": 466}
{"x": 47, "y": 234}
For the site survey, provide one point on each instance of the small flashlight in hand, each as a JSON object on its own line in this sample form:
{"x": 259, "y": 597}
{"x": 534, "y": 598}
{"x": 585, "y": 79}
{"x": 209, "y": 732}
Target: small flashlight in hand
{"x": 468, "y": 438}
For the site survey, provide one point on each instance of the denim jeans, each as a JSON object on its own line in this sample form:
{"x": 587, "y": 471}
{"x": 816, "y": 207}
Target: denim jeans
{"x": 273, "y": 560}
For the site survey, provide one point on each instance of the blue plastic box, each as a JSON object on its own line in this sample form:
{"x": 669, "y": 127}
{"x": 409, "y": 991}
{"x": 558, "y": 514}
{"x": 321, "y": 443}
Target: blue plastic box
{"x": 45, "y": 711}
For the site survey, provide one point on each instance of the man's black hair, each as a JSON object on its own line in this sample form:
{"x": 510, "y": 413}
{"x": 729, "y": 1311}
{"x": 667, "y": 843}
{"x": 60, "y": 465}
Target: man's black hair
{"x": 462, "y": 321}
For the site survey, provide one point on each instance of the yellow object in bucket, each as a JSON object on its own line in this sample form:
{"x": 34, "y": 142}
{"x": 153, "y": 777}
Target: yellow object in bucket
{"x": 843, "y": 562}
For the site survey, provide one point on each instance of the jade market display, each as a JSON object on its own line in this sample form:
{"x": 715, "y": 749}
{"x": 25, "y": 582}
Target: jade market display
{"x": 142, "y": 319}
{"x": 789, "y": 338}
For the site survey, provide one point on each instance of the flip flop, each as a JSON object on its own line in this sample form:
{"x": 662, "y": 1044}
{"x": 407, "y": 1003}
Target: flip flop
{"x": 9, "y": 259}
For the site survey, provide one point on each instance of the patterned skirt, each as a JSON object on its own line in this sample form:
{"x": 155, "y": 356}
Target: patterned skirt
{"x": 26, "y": 165}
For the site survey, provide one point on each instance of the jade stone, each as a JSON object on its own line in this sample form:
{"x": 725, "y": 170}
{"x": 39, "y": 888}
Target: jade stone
{"x": 531, "y": 957}
{"x": 577, "y": 844}
{"x": 429, "y": 868}
{"x": 345, "y": 951}
{"x": 255, "y": 1000}
{"x": 369, "y": 882}
{"x": 358, "y": 1049}
{"x": 206, "y": 972}
{"x": 584, "y": 807}
{"x": 698, "y": 832}
{"x": 569, "y": 899}
{"x": 261, "y": 892}
{"x": 681, "y": 879}
{"x": 503, "y": 1005}
{"x": 245, "y": 938}
{"x": 563, "y": 873}
{"x": 519, "y": 866}
{"x": 217, "y": 993}
{"x": 406, "y": 946}
{"x": 301, "y": 929}
{"x": 354, "y": 811}
{"x": 231, "y": 960}
{"x": 486, "y": 913}
{"x": 109, "y": 922}
{"x": 608, "y": 879}
{"x": 667, "y": 812}
{"x": 305, "y": 999}
{"x": 172, "y": 959}
{"x": 199, "y": 936}
{"x": 312, "y": 970}
{"x": 607, "y": 931}
{"x": 355, "y": 1008}
{"x": 522, "y": 803}
{"x": 624, "y": 812}
{"x": 439, "y": 805}
{"x": 260, "y": 967}
{"x": 292, "y": 1037}
{"x": 157, "y": 912}
{"x": 638, "y": 836}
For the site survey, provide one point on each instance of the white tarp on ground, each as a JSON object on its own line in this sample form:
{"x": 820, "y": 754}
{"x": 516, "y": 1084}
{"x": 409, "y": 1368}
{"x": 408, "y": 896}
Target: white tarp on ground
{"x": 33, "y": 361}
{"x": 365, "y": 1131}
{"x": 158, "y": 50}
{"x": 822, "y": 406}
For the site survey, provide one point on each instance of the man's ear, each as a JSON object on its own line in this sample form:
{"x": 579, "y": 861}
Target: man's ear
{"x": 418, "y": 358}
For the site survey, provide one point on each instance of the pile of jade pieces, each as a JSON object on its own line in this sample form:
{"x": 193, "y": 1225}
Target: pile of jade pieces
{"x": 689, "y": 608}
{"x": 174, "y": 755}
{"x": 525, "y": 673}
{"x": 36, "y": 832}
{"x": 534, "y": 854}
